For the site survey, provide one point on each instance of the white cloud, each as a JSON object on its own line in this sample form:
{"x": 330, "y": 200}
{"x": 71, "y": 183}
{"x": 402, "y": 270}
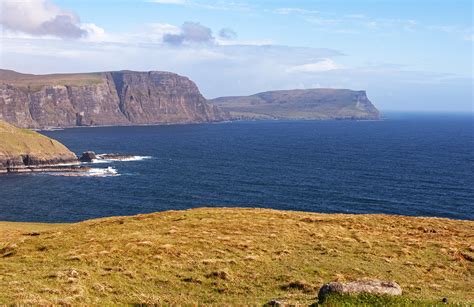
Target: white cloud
{"x": 320, "y": 66}
{"x": 39, "y": 17}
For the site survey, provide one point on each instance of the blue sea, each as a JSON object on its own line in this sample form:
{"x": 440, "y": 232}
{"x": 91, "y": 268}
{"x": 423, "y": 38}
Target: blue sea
{"x": 409, "y": 164}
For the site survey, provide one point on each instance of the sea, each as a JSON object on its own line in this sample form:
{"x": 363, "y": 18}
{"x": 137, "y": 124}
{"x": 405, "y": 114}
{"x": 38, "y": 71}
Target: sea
{"x": 408, "y": 164}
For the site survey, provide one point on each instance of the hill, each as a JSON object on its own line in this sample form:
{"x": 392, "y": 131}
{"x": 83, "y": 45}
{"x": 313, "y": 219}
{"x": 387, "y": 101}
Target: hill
{"x": 300, "y": 104}
{"x": 232, "y": 256}
{"x": 23, "y": 147}
{"x": 102, "y": 98}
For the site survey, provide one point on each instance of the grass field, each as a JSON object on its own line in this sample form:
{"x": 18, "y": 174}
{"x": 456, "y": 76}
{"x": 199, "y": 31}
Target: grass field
{"x": 233, "y": 256}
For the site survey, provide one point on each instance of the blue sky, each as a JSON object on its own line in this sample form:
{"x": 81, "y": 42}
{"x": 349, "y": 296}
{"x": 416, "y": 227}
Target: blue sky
{"x": 408, "y": 55}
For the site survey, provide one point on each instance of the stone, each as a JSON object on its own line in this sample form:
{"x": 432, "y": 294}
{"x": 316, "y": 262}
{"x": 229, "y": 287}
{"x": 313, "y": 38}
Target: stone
{"x": 378, "y": 287}
{"x": 88, "y": 156}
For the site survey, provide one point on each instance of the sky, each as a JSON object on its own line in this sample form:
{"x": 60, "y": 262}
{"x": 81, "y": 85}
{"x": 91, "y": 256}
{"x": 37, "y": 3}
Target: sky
{"x": 408, "y": 55}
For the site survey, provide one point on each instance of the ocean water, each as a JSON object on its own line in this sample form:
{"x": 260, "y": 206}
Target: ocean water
{"x": 409, "y": 164}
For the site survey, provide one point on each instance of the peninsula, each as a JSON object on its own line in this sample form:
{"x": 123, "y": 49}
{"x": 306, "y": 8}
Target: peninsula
{"x": 309, "y": 104}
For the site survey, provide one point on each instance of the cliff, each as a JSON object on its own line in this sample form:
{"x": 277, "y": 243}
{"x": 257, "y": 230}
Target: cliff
{"x": 22, "y": 148}
{"x": 104, "y": 98}
{"x": 300, "y": 104}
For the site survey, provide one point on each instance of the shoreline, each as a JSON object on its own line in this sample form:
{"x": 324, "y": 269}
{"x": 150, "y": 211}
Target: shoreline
{"x": 51, "y": 129}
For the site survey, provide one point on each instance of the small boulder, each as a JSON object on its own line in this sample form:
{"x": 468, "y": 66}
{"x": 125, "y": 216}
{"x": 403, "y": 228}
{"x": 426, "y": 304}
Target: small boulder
{"x": 378, "y": 287}
{"x": 88, "y": 156}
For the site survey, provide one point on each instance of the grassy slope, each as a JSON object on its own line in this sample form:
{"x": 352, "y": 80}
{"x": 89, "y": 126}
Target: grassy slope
{"x": 232, "y": 255}
{"x": 15, "y": 141}
{"x": 36, "y": 82}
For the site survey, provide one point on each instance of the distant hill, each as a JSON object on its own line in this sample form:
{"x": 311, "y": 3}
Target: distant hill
{"x": 22, "y": 147}
{"x": 300, "y": 104}
{"x": 102, "y": 98}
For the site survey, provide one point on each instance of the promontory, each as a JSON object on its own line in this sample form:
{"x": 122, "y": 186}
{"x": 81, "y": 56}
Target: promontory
{"x": 25, "y": 150}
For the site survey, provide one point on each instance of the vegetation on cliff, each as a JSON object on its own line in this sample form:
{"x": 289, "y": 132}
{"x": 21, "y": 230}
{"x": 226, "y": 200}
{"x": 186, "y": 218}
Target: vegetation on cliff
{"x": 236, "y": 256}
{"x": 23, "y": 147}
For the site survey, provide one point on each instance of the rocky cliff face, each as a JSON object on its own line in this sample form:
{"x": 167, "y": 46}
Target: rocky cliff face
{"x": 109, "y": 98}
{"x": 300, "y": 104}
{"x": 22, "y": 148}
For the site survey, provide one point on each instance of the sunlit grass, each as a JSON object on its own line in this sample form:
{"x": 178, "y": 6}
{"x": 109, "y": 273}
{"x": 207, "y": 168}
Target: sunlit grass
{"x": 236, "y": 256}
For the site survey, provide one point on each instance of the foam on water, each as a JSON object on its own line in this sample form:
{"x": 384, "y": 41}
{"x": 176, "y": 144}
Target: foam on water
{"x": 132, "y": 158}
{"x": 93, "y": 172}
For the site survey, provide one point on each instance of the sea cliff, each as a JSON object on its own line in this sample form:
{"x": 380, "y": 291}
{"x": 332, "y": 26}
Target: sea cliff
{"x": 155, "y": 97}
{"x": 23, "y": 150}
{"x": 105, "y": 98}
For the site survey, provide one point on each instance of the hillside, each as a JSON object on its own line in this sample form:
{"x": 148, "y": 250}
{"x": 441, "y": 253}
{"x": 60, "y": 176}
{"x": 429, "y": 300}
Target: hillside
{"x": 234, "y": 256}
{"x": 23, "y": 147}
{"x": 300, "y": 104}
{"x": 102, "y": 98}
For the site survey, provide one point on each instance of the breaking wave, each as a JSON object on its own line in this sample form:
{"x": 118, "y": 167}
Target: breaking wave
{"x": 93, "y": 172}
{"x": 128, "y": 159}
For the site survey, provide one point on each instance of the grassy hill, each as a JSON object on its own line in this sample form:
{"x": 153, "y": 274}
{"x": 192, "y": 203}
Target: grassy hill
{"x": 300, "y": 104}
{"x": 232, "y": 256}
{"x": 16, "y": 143}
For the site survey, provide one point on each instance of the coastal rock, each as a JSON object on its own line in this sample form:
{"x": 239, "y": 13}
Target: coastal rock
{"x": 300, "y": 104}
{"x": 361, "y": 286}
{"x": 88, "y": 156}
{"x": 105, "y": 98}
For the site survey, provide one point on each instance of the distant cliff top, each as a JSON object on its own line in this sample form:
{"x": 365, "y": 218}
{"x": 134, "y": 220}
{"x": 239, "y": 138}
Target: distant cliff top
{"x": 34, "y": 82}
{"x": 319, "y": 103}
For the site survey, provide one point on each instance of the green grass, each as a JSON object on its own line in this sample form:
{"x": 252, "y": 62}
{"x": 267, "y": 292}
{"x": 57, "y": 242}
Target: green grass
{"x": 373, "y": 300}
{"x": 232, "y": 256}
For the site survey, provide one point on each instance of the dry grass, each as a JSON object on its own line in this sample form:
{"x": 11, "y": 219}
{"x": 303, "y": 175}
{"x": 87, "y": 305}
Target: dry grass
{"x": 238, "y": 256}
{"x": 33, "y": 83}
{"x": 15, "y": 141}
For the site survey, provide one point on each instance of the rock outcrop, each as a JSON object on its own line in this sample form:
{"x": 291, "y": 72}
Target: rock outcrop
{"x": 106, "y": 98}
{"x": 300, "y": 104}
{"x": 377, "y": 287}
{"x": 24, "y": 150}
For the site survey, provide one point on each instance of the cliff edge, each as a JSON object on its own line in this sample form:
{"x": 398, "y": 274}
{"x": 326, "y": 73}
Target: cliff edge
{"x": 103, "y": 98}
{"x": 22, "y": 148}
